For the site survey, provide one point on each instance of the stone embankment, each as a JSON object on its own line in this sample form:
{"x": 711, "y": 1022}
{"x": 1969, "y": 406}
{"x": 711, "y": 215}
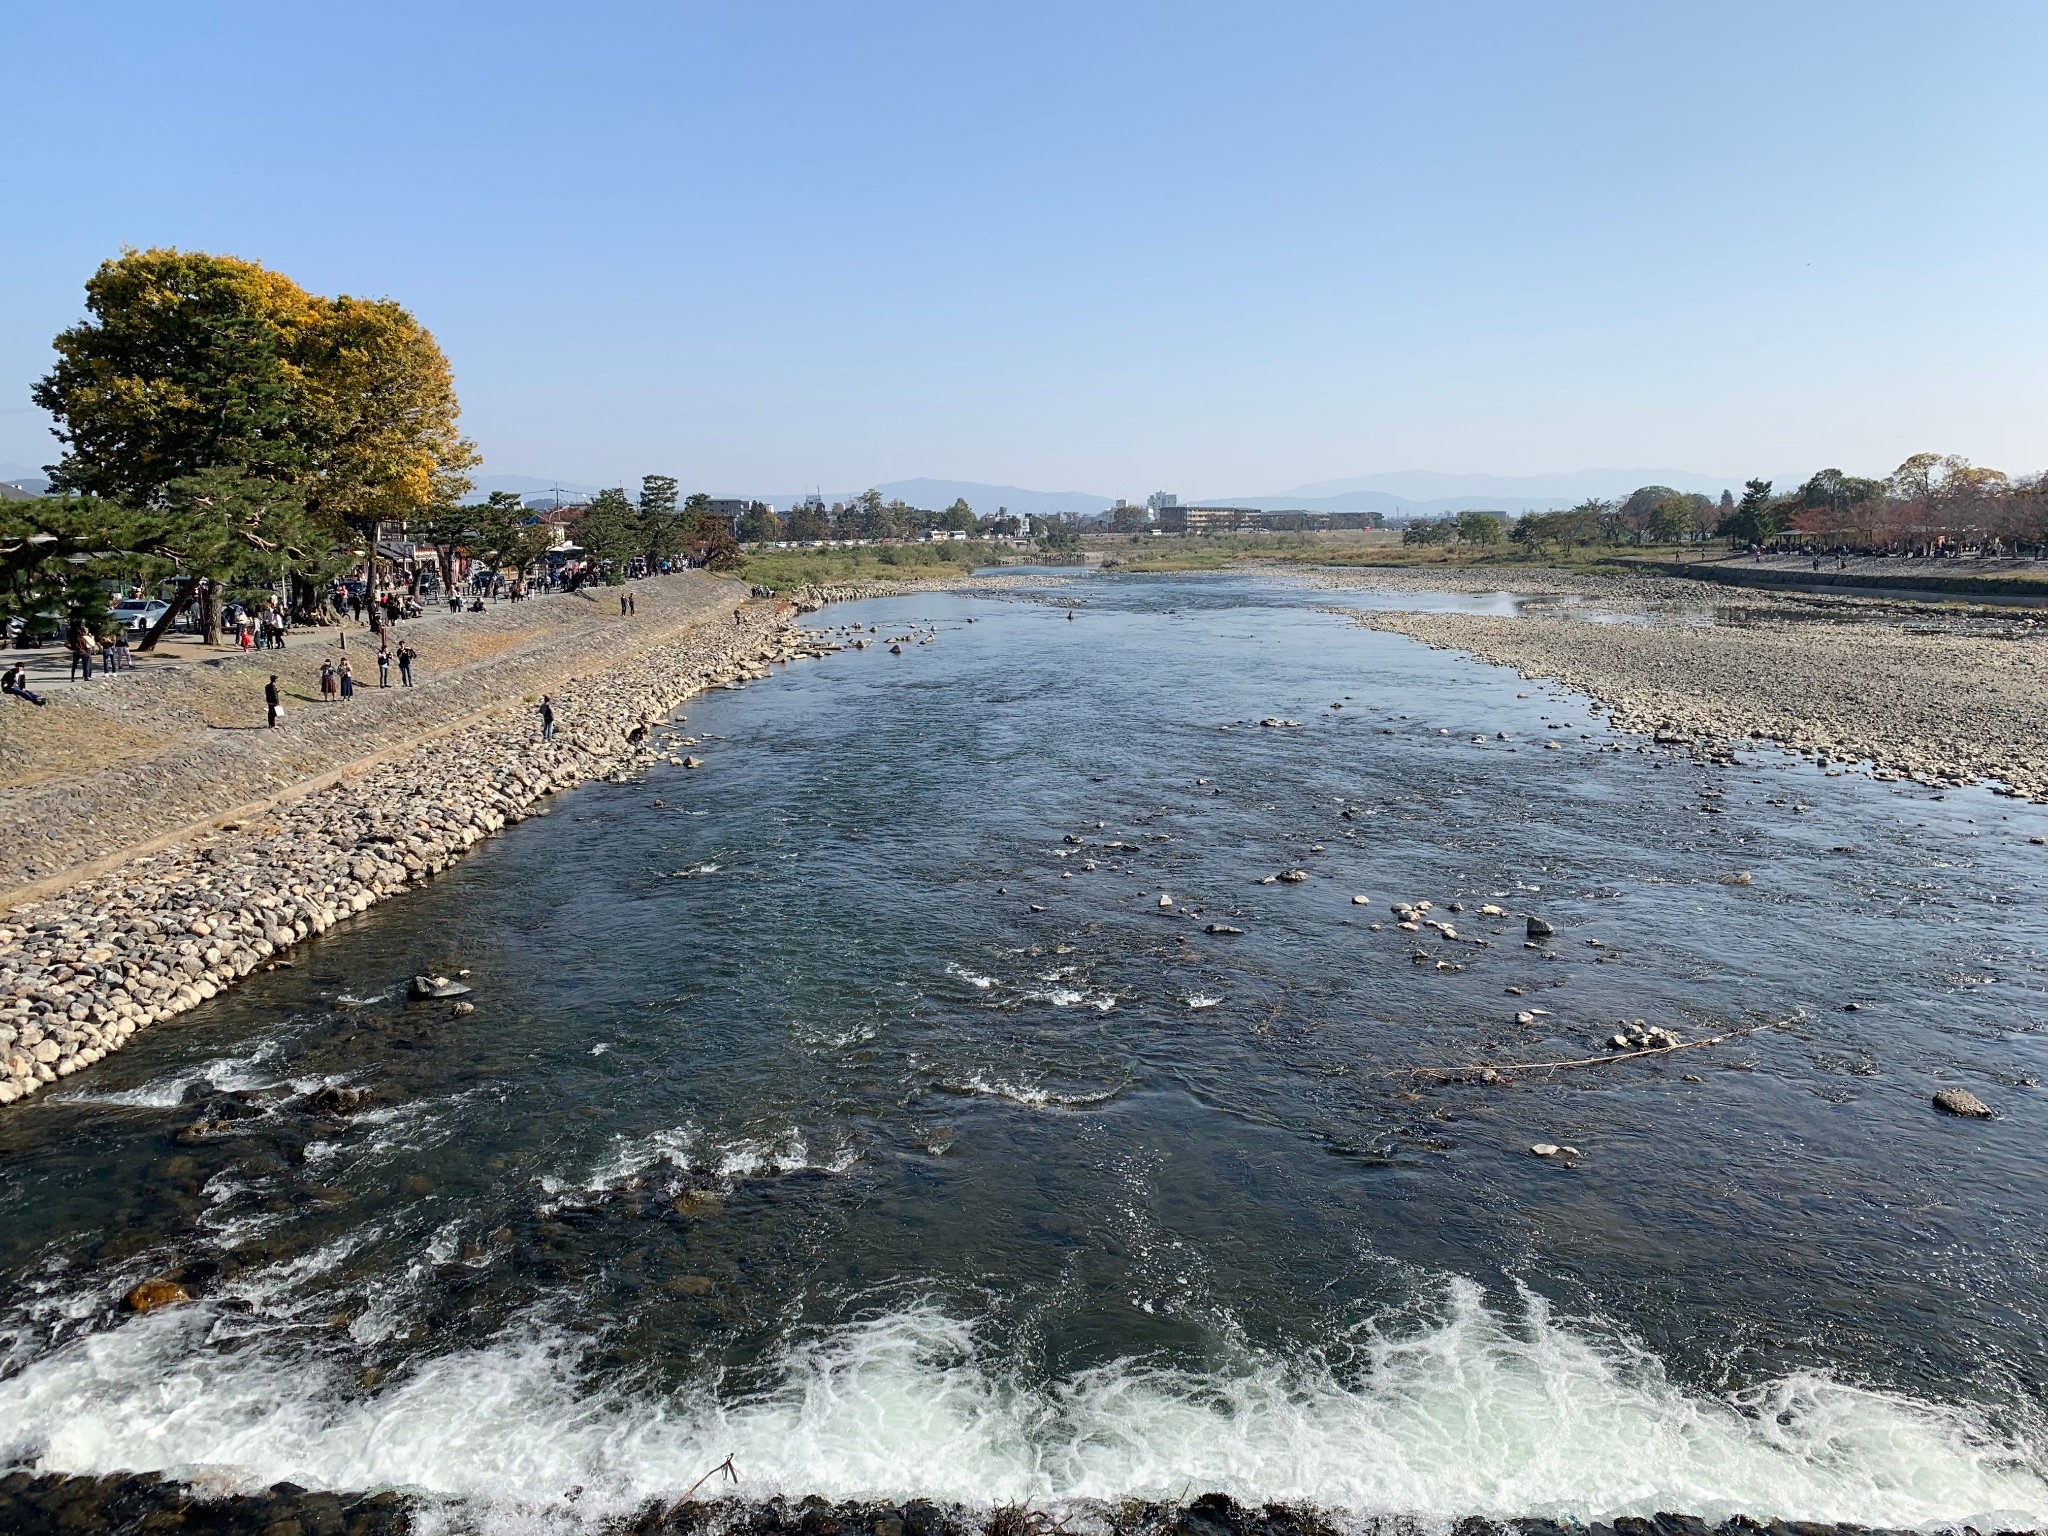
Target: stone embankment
{"x": 1928, "y": 704}
{"x": 83, "y": 970}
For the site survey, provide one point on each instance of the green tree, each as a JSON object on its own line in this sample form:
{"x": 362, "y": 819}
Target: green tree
{"x": 1431, "y": 533}
{"x": 758, "y": 525}
{"x": 1755, "y": 519}
{"x": 958, "y": 518}
{"x": 610, "y": 533}
{"x": 661, "y": 521}
{"x": 58, "y": 553}
{"x": 808, "y": 523}
{"x": 1479, "y": 528}
{"x": 1670, "y": 520}
{"x": 505, "y": 532}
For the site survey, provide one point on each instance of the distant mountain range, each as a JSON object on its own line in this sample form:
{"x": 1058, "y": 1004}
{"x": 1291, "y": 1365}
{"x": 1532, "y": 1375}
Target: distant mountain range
{"x": 1397, "y": 495}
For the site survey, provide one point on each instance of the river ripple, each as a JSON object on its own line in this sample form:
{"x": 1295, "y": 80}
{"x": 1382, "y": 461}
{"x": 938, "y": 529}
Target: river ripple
{"x": 852, "y": 1104}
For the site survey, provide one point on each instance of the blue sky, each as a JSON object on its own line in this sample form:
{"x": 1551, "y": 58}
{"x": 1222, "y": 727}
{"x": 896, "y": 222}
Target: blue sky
{"x": 1112, "y": 247}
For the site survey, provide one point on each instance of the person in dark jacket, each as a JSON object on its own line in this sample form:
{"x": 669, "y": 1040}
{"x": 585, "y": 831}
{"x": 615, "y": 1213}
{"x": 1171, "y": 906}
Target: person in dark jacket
{"x": 17, "y": 684}
{"x": 270, "y": 700}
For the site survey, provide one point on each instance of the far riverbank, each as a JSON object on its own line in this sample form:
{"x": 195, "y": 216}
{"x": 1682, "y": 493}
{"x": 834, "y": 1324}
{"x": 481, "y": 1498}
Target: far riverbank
{"x": 1936, "y": 695}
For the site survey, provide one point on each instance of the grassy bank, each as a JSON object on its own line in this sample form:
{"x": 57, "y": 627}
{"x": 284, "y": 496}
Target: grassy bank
{"x": 782, "y": 568}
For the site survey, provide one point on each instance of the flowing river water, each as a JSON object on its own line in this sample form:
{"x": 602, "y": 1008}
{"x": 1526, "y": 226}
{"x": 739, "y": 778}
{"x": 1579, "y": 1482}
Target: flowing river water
{"x": 852, "y": 1106}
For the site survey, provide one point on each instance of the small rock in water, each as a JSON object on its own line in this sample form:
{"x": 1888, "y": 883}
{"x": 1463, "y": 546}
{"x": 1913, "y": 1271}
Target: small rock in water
{"x": 1165, "y": 901}
{"x": 1292, "y": 876}
{"x": 1222, "y": 929}
{"x": 1960, "y": 1101}
{"x": 151, "y": 1294}
{"x": 434, "y": 987}
{"x": 1361, "y": 901}
{"x": 1539, "y": 929}
{"x": 693, "y": 762}
{"x": 1551, "y": 1149}
{"x": 462, "y": 1010}
{"x": 336, "y": 1100}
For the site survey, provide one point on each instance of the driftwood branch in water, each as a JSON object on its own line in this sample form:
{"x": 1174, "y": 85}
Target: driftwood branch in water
{"x": 1466, "y": 1074}
{"x": 724, "y": 1466}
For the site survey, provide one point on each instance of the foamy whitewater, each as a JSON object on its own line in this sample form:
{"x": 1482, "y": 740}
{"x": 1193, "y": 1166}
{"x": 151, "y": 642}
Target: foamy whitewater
{"x": 1477, "y": 1414}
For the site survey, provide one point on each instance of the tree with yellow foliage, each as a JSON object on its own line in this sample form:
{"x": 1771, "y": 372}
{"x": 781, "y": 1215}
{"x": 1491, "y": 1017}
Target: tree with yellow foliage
{"x": 192, "y": 365}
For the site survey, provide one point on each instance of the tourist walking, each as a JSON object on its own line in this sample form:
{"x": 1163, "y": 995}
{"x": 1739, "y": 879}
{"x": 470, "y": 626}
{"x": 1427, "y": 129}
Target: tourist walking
{"x": 547, "y": 718}
{"x": 406, "y": 657}
{"x": 270, "y": 701}
{"x": 17, "y": 684}
{"x": 124, "y": 658}
{"x": 383, "y": 669}
{"x": 327, "y": 685}
{"x": 348, "y": 682}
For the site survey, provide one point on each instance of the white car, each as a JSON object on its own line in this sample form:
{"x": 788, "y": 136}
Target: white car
{"x": 136, "y": 614}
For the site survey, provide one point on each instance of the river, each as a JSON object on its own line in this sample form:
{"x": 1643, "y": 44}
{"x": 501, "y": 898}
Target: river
{"x": 852, "y": 1105}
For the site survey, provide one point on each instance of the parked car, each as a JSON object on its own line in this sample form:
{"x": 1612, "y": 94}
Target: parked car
{"x": 136, "y": 614}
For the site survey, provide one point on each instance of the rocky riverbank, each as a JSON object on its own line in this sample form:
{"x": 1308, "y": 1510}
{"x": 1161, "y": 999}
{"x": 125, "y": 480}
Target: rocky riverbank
{"x": 1849, "y": 682}
{"x": 53, "y": 1504}
{"x": 83, "y": 970}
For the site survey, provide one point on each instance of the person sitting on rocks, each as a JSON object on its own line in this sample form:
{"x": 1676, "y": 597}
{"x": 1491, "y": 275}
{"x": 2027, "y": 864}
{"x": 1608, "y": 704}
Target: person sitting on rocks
{"x": 17, "y": 684}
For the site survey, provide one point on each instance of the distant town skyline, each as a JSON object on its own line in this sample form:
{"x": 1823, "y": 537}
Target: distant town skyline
{"x": 1103, "y": 247}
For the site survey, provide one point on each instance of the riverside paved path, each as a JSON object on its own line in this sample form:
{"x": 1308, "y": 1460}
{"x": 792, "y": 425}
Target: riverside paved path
{"x": 104, "y": 769}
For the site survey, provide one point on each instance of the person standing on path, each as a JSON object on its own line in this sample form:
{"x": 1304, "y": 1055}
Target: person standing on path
{"x": 622, "y": 604}
{"x": 384, "y": 669}
{"x": 348, "y": 681}
{"x": 327, "y": 689}
{"x": 270, "y": 702}
{"x": 406, "y": 657}
{"x": 547, "y": 718}
{"x": 632, "y": 605}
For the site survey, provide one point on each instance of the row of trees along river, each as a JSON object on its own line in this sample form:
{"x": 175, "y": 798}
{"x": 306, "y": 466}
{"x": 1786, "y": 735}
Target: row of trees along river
{"x": 1929, "y": 500}
{"x": 224, "y": 428}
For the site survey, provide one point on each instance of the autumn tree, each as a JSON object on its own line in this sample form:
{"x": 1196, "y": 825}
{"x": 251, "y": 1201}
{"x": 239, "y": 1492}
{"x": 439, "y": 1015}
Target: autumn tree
{"x": 192, "y": 364}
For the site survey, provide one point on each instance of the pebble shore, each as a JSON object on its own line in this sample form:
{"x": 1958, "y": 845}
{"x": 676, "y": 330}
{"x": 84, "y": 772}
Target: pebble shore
{"x": 1851, "y": 683}
{"x": 82, "y": 971}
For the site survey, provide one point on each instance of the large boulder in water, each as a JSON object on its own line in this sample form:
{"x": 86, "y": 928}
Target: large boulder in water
{"x": 428, "y": 988}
